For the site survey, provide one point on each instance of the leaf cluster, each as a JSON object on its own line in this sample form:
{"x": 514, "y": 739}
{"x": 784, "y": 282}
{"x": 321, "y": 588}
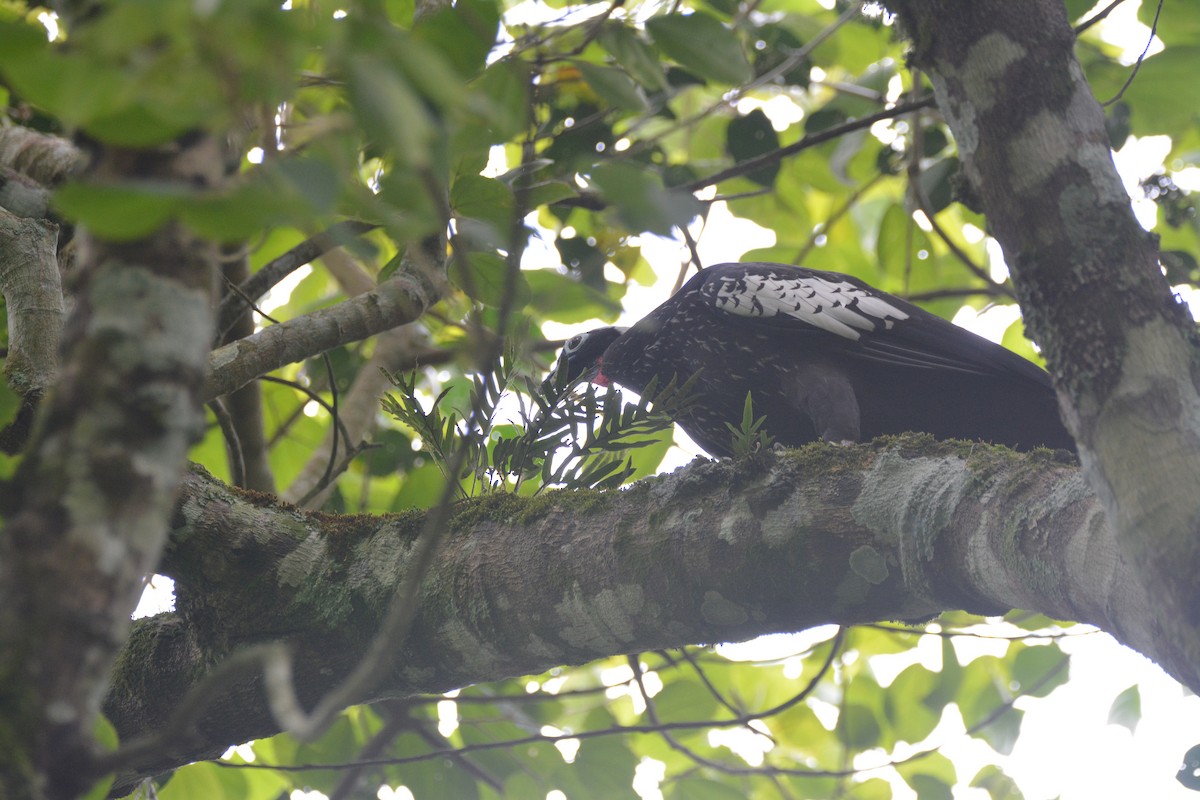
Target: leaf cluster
{"x": 567, "y": 436}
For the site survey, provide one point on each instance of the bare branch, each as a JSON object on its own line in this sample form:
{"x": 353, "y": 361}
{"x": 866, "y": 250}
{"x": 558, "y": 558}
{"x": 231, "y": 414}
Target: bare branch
{"x": 32, "y": 290}
{"x": 47, "y": 159}
{"x": 397, "y": 301}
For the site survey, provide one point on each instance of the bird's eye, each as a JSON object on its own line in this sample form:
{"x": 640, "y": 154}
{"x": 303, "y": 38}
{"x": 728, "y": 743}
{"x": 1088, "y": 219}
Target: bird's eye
{"x": 574, "y": 343}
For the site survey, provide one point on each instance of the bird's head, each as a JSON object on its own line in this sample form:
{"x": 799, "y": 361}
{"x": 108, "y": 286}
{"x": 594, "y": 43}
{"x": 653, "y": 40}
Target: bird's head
{"x": 581, "y": 355}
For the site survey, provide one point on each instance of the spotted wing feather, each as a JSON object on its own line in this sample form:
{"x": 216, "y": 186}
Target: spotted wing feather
{"x": 869, "y": 324}
{"x": 836, "y": 306}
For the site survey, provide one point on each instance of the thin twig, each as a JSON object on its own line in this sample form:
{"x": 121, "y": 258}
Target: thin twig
{"x": 281, "y": 266}
{"x": 311, "y": 394}
{"x": 752, "y": 164}
{"x": 823, "y": 228}
{"x": 1083, "y": 26}
{"x": 1137, "y": 65}
{"x": 237, "y": 461}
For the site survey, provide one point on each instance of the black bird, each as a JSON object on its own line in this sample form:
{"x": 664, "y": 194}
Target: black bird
{"x": 824, "y": 356}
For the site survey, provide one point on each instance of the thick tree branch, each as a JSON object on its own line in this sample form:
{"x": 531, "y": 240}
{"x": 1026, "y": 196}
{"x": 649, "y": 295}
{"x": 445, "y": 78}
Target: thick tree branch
{"x": 21, "y": 195}
{"x": 279, "y": 268}
{"x": 397, "y": 301}
{"x": 715, "y": 552}
{"x": 49, "y": 160}
{"x": 32, "y": 290}
{"x": 1035, "y": 151}
{"x": 97, "y": 485}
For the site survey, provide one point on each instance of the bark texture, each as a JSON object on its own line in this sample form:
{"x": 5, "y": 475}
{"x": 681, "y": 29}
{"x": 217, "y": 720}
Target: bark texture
{"x": 900, "y": 530}
{"x": 96, "y": 488}
{"x": 1035, "y": 152}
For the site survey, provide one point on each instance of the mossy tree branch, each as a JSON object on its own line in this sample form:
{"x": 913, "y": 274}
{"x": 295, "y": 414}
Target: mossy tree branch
{"x": 715, "y": 552}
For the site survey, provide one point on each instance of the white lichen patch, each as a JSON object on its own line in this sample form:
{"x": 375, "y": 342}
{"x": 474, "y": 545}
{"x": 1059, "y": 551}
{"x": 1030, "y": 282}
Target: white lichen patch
{"x": 378, "y": 563}
{"x": 157, "y": 323}
{"x": 779, "y": 526}
{"x": 1044, "y": 146}
{"x": 718, "y": 610}
{"x": 909, "y": 500}
{"x": 602, "y": 622}
{"x": 735, "y": 521}
{"x": 539, "y": 648}
{"x": 477, "y": 656}
{"x": 870, "y": 564}
{"x": 299, "y": 566}
{"x": 987, "y": 64}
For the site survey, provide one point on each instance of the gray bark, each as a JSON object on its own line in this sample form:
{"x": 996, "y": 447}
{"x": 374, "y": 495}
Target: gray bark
{"x": 1035, "y": 152}
{"x": 903, "y": 529}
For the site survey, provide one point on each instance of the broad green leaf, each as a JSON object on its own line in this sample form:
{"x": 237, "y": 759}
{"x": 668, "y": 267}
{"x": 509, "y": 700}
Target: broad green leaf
{"x": 640, "y": 199}
{"x": 984, "y": 708}
{"x": 637, "y": 57}
{"x": 682, "y": 700}
{"x": 120, "y": 213}
{"x": 702, "y": 44}
{"x": 464, "y": 33}
{"x": 859, "y": 728}
{"x": 1038, "y": 671}
{"x": 501, "y": 99}
{"x": 750, "y": 136}
{"x": 202, "y": 779}
{"x": 485, "y": 199}
{"x": 603, "y": 768}
{"x": 872, "y": 789}
{"x": 483, "y": 277}
{"x": 613, "y": 86}
{"x": 937, "y": 183}
{"x": 106, "y": 736}
{"x": 906, "y": 710}
{"x": 1126, "y": 709}
{"x": 997, "y": 784}
{"x": 892, "y": 246}
{"x": 931, "y": 776}
{"x": 391, "y": 110}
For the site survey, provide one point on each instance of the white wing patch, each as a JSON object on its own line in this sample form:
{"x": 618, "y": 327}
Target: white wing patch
{"x": 836, "y": 306}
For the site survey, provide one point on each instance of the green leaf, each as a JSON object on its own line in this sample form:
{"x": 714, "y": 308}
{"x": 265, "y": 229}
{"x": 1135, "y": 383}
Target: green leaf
{"x": 937, "y": 183}
{"x": 637, "y": 57}
{"x": 751, "y": 136}
{"x": 464, "y": 33}
{"x": 603, "y": 768}
{"x": 202, "y": 779}
{"x": 499, "y": 105}
{"x": 859, "y": 728}
{"x": 904, "y": 702}
{"x": 483, "y": 276}
{"x": 982, "y": 703}
{"x": 642, "y": 202}
{"x": 1126, "y": 709}
{"x": 1039, "y": 670}
{"x": 931, "y": 776}
{"x": 891, "y": 248}
{"x": 683, "y": 700}
{"x": 561, "y": 299}
{"x": 701, "y": 43}
{"x": 391, "y": 110}
{"x": 613, "y": 85}
{"x": 106, "y": 736}
{"x": 120, "y": 213}
{"x": 485, "y": 199}
{"x": 997, "y": 784}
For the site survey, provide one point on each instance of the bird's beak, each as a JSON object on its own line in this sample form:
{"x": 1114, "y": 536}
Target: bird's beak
{"x": 563, "y": 378}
